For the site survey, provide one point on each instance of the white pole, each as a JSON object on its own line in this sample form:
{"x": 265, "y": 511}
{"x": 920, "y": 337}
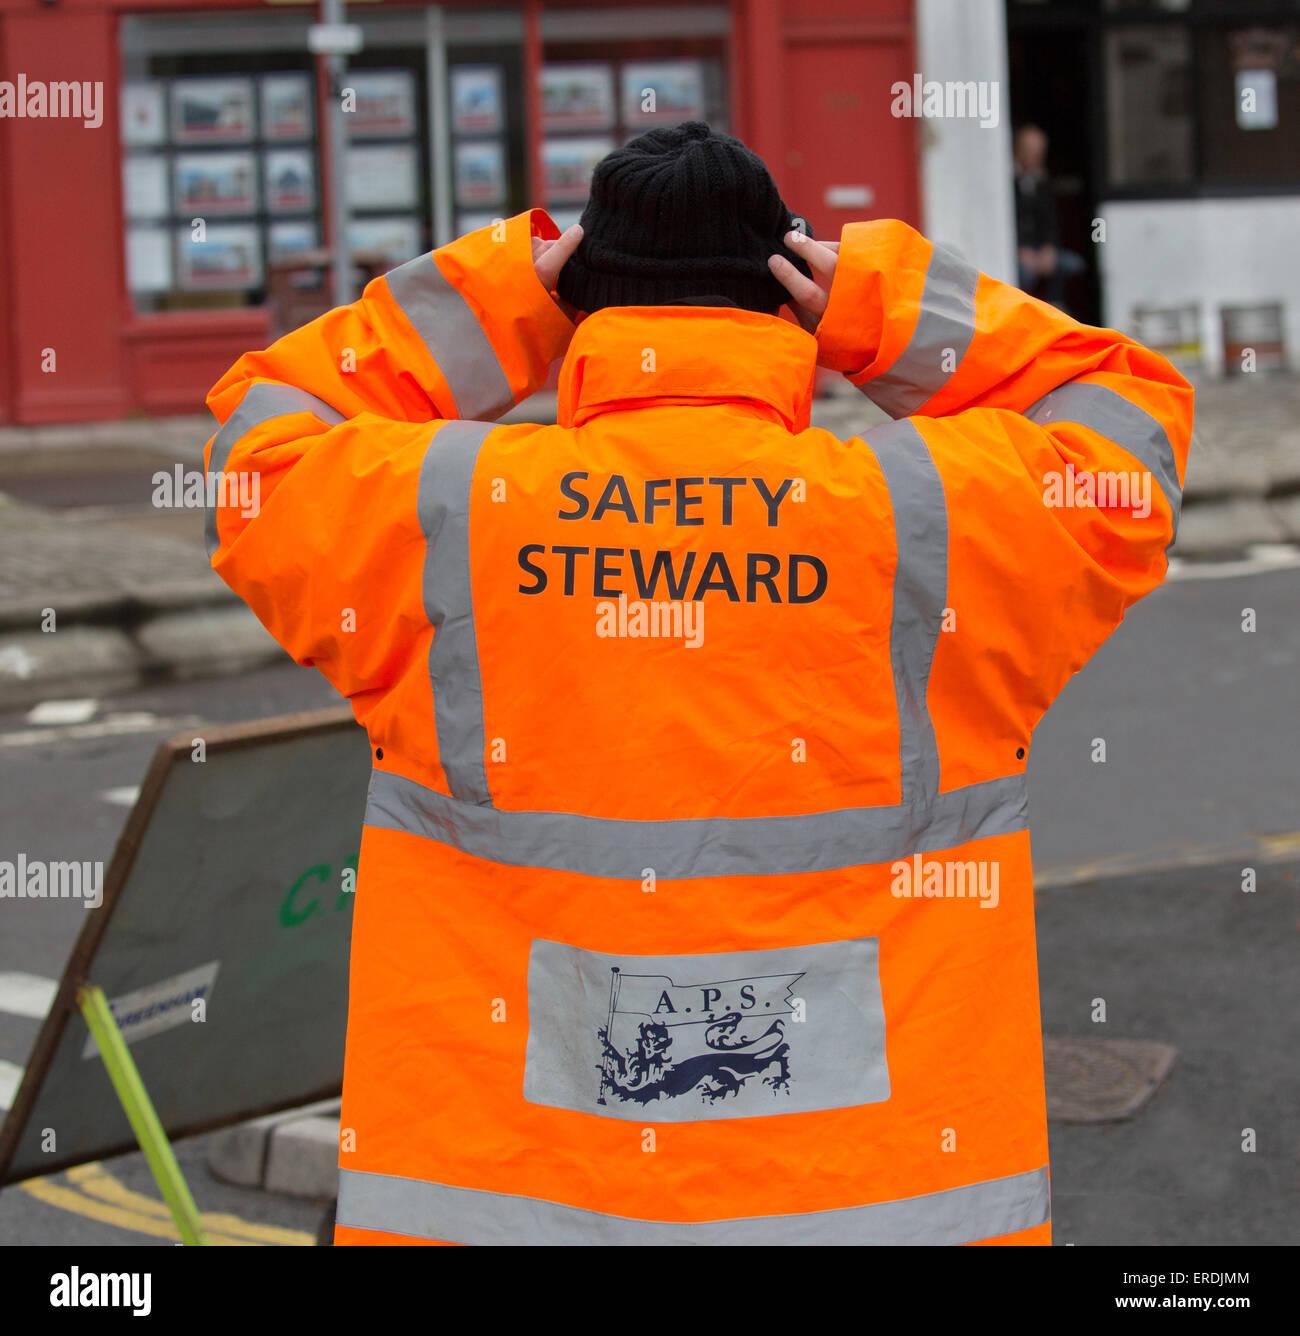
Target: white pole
{"x": 967, "y": 196}
{"x": 439, "y": 126}
{"x": 332, "y": 12}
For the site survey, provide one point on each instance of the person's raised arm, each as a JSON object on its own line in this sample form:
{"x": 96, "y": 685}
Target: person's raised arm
{"x": 1058, "y": 403}
{"x": 315, "y": 470}
{"x": 465, "y": 331}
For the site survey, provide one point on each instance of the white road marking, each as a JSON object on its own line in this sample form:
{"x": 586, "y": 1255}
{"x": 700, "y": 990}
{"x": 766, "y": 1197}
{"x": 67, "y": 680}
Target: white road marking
{"x": 140, "y": 722}
{"x": 123, "y": 797}
{"x": 26, "y": 994}
{"x": 1259, "y": 557}
{"x": 11, "y": 1077}
{"x": 63, "y": 711}
{"x": 16, "y": 662}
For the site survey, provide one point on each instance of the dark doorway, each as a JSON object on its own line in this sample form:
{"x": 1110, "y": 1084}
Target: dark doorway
{"x": 1054, "y": 86}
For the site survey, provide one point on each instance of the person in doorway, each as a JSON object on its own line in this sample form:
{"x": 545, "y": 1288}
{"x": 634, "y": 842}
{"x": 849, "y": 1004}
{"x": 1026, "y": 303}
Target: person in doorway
{"x": 1044, "y": 266}
{"x": 695, "y": 902}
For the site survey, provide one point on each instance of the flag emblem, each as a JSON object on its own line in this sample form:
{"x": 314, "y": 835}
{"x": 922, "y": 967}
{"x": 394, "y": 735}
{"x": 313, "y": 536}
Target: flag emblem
{"x": 665, "y": 1040}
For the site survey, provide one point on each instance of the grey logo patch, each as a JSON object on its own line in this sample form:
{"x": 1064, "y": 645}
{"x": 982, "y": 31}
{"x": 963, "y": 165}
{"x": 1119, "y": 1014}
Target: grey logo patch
{"x": 689, "y": 1038}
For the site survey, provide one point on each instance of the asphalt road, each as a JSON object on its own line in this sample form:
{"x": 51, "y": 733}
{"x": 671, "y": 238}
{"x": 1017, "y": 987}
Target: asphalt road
{"x": 64, "y": 800}
{"x": 1200, "y": 723}
{"x": 1186, "y": 958}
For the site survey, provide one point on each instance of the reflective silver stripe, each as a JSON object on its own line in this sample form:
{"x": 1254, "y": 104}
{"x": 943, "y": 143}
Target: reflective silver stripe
{"x": 465, "y": 1215}
{"x": 946, "y": 323}
{"x": 260, "y": 404}
{"x": 442, "y": 504}
{"x": 700, "y": 847}
{"x": 920, "y": 588}
{"x": 455, "y": 339}
{"x": 1109, "y": 414}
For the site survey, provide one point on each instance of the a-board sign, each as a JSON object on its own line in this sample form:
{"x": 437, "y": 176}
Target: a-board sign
{"x": 232, "y": 887}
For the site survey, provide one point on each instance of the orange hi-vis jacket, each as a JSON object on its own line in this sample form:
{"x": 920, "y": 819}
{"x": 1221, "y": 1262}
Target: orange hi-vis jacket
{"x": 695, "y": 901}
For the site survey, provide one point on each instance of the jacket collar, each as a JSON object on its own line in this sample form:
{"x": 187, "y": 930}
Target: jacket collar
{"x": 627, "y": 357}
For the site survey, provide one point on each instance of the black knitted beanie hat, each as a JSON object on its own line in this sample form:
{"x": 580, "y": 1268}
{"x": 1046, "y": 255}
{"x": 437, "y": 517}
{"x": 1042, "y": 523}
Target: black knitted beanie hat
{"x": 676, "y": 213}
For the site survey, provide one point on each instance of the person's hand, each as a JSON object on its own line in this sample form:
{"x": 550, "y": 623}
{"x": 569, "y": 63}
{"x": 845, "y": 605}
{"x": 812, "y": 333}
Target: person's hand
{"x": 1047, "y": 261}
{"x": 549, "y": 257}
{"x": 808, "y": 295}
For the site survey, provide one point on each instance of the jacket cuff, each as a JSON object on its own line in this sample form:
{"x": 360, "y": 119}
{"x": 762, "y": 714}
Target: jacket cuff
{"x": 875, "y": 298}
{"x": 492, "y": 269}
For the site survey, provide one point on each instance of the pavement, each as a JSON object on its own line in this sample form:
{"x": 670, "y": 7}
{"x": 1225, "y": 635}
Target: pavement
{"x": 103, "y": 589}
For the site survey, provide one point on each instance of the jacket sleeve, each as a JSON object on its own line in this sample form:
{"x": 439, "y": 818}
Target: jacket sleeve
{"x": 1061, "y": 447}
{"x": 314, "y": 470}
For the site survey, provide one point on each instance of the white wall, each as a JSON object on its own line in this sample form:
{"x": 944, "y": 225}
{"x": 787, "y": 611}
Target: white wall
{"x": 1222, "y": 252}
{"x": 966, "y": 193}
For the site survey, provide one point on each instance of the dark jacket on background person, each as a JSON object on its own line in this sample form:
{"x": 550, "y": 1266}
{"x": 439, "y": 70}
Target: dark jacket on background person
{"x": 1037, "y": 223}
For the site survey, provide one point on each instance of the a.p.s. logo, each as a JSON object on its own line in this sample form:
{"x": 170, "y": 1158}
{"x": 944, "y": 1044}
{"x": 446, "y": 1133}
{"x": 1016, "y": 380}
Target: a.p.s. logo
{"x": 686, "y": 1038}
{"x": 665, "y": 1040}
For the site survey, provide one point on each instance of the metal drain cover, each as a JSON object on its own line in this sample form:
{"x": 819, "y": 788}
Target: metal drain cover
{"x": 1102, "y": 1080}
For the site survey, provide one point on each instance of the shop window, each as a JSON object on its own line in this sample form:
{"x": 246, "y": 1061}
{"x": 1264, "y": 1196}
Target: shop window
{"x": 1149, "y": 105}
{"x": 387, "y": 165}
{"x": 592, "y": 104}
{"x": 1249, "y": 96}
{"x": 221, "y": 170}
{"x": 489, "y": 142}
{"x": 223, "y": 179}
{"x": 220, "y": 173}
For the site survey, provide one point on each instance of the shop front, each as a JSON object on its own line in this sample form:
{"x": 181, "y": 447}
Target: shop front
{"x": 1175, "y": 157}
{"x": 148, "y": 253}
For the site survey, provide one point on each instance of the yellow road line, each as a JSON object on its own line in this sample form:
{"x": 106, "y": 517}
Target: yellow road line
{"x": 96, "y": 1180}
{"x": 1281, "y": 845}
{"x": 69, "y": 1199}
{"x": 98, "y": 1195}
